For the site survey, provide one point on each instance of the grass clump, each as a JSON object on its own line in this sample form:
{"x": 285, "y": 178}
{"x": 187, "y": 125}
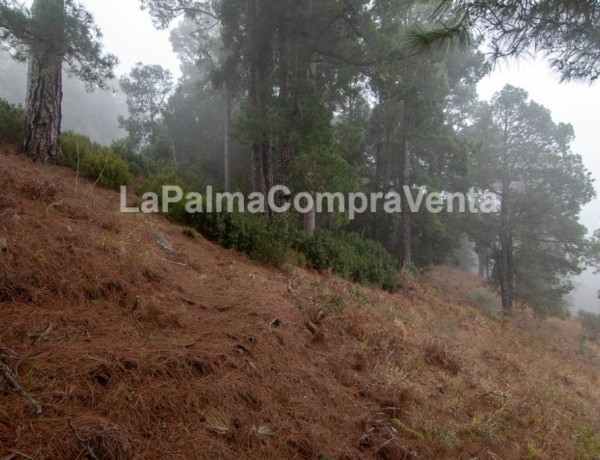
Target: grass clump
{"x": 93, "y": 161}
{"x": 485, "y": 301}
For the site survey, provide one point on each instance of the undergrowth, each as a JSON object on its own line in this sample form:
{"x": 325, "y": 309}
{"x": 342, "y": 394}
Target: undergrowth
{"x": 275, "y": 240}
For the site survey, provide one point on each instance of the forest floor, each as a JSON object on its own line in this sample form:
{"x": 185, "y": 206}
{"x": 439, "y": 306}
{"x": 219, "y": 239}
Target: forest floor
{"x": 127, "y": 350}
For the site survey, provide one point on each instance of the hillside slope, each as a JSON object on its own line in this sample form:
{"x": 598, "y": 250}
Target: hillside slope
{"x": 135, "y": 352}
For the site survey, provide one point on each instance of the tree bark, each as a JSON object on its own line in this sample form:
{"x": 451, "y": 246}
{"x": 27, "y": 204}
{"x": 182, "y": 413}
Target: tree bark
{"x": 482, "y": 266}
{"x": 506, "y": 243}
{"x": 44, "y": 89}
{"x": 406, "y": 182}
{"x": 506, "y": 256}
{"x": 310, "y": 218}
{"x": 226, "y": 143}
{"x": 261, "y": 155}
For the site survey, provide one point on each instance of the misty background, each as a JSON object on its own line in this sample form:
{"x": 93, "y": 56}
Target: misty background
{"x": 130, "y": 35}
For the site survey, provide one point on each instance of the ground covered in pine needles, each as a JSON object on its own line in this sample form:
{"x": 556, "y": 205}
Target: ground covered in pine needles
{"x": 112, "y": 347}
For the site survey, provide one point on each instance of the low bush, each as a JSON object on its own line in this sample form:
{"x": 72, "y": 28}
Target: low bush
{"x": 268, "y": 240}
{"x": 352, "y": 257}
{"x": 12, "y": 122}
{"x": 95, "y": 162}
{"x": 261, "y": 238}
{"x": 485, "y": 301}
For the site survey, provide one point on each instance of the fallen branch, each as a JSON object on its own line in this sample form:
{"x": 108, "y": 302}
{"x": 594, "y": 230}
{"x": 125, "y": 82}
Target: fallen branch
{"x": 177, "y": 263}
{"x": 84, "y": 442}
{"x": 13, "y": 382}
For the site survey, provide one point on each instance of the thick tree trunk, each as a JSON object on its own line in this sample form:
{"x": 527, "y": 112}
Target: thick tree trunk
{"x": 44, "y": 92}
{"x": 261, "y": 155}
{"x": 310, "y": 221}
{"x": 310, "y": 218}
{"x": 286, "y": 97}
{"x": 256, "y": 166}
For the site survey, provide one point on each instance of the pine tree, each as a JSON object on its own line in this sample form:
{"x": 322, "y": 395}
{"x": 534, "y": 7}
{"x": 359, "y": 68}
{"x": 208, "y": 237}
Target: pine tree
{"x": 51, "y": 34}
{"x": 536, "y": 241}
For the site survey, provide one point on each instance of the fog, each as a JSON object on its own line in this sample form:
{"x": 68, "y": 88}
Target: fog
{"x": 570, "y": 102}
{"x": 92, "y": 113}
{"x": 129, "y": 34}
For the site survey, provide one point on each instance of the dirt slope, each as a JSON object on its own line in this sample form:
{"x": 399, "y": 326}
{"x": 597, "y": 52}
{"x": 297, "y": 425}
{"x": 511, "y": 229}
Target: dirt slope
{"x": 135, "y": 352}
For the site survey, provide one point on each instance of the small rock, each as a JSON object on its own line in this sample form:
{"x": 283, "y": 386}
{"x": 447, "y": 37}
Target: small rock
{"x": 163, "y": 243}
{"x": 69, "y": 228}
{"x": 365, "y": 441}
{"x": 3, "y": 245}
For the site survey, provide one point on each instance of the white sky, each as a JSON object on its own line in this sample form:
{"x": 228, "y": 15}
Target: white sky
{"x": 129, "y": 34}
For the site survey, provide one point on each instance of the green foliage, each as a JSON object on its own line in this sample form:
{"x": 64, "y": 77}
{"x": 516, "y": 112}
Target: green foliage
{"x": 147, "y": 88}
{"x": 261, "y": 238}
{"x": 77, "y": 41}
{"x": 564, "y": 31}
{"x": 352, "y": 257}
{"x": 542, "y": 187}
{"x": 94, "y": 162}
{"x": 485, "y": 301}
{"x": 12, "y": 122}
{"x": 139, "y": 165}
{"x": 190, "y": 233}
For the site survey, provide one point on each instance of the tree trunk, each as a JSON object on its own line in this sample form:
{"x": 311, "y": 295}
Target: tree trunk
{"x": 482, "y": 266}
{"x": 406, "y": 182}
{"x": 286, "y": 98}
{"x": 226, "y": 143}
{"x": 256, "y": 166}
{"x": 506, "y": 243}
{"x": 44, "y": 89}
{"x": 506, "y": 276}
{"x": 261, "y": 153}
{"x": 506, "y": 257}
{"x": 310, "y": 218}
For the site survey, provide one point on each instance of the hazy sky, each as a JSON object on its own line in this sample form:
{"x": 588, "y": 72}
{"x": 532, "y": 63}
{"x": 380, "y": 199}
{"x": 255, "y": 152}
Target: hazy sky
{"x": 129, "y": 34}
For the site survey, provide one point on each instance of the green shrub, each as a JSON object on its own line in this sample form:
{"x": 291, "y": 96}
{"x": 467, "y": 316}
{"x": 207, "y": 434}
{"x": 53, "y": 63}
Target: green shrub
{"x": 485, "y": 301}
{"x": 352, "y": 257}
{"x": 96, "y": 163}
{"x": 110, "y": 170}
{"x": 155, "y": 182}
{"x": 261, "y": 238}
{"x": 138, "y": 164}
{"x": 12, "y": 122}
